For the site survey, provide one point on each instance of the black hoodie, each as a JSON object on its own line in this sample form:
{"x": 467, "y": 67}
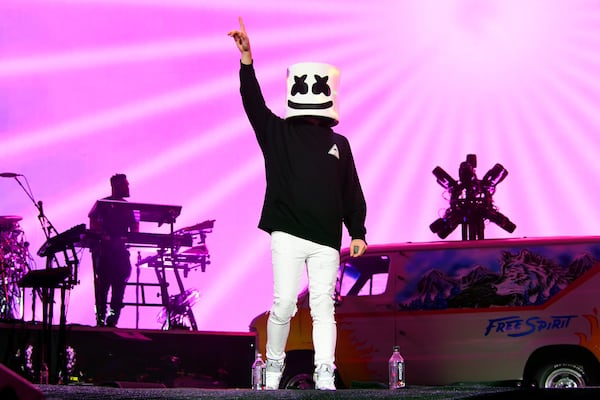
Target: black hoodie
{"x": 312, "y": 184}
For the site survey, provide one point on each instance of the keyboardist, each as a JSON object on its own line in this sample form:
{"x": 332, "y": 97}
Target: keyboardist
{"x": 110, "y": 256}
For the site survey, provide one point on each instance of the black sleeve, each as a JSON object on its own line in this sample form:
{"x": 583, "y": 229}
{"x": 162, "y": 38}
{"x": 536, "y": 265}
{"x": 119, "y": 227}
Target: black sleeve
{"x": 355, "y": 207}
{"x": 254, "y": 103}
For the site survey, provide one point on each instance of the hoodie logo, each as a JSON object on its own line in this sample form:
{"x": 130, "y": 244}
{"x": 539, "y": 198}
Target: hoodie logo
{"x": 334, "y": 151}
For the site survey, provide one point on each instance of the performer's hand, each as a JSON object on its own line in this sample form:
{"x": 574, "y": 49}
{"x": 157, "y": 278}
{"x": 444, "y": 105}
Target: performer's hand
{"x": 357, "y": 247}
{"x": 242, "y": 42}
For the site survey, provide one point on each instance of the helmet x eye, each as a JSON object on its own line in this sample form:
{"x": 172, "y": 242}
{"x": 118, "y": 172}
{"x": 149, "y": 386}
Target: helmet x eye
{"x": 321, "y": 86}
{"x": 300, "y": 85}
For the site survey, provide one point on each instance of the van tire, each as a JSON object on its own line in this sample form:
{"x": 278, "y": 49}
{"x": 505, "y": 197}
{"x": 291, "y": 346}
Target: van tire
{"x": 561, "y": 376}
{"x": 297, "y": 380}
{"x": 298, "y": 372}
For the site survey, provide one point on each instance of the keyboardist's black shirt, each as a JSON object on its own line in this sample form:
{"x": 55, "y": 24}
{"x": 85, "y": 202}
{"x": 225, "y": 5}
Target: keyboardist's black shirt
{"x": 115, "y": 221}
{"x": 311, "y": 189}
{"x": 110, "y": 254}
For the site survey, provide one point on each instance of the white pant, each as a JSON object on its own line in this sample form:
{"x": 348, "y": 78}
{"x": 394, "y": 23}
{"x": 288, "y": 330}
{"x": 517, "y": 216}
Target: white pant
{"x": 289, "y": 255}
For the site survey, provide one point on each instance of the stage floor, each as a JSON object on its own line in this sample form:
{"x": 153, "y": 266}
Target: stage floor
{"x": 419, "y": 392}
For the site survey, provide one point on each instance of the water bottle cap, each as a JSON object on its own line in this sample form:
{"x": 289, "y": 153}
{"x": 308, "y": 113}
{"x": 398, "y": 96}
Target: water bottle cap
{"x": 396, "y": 348}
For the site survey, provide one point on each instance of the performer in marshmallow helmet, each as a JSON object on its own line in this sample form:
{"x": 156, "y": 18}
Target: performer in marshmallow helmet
{"x": 312, "y": 190}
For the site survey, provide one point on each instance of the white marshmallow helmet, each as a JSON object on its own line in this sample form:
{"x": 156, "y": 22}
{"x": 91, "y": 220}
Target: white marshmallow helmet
{"x": 312, "y": 90}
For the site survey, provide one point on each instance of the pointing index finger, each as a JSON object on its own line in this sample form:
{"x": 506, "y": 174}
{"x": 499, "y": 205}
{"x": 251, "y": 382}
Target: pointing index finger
{"x": 242, "y": 26}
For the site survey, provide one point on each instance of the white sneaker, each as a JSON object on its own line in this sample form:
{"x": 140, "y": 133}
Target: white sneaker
{"x": 324, "y": 378}
{"x": 273, "y": 374}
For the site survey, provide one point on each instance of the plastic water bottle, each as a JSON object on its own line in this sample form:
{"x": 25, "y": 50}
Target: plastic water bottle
{"x": 396, "y": 370}
{"x": 44, "y": 374}
{"x": 258, "y": 373}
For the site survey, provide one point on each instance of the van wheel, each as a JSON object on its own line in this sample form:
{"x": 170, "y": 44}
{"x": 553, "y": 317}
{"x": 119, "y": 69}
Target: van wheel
{"x": 298, "y": 372}
{"x": 299, "y": 380}
{"x": 561, "y": 376}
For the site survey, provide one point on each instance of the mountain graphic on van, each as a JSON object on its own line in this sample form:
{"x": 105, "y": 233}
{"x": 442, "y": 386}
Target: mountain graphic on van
{"x": 521, "y": 278}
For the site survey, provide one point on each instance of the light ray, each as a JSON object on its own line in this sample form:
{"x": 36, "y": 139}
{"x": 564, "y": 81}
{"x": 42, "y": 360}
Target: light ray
{"x": 580, "y": 94}
{"x": 535, "y": 179}
{"x": 266, "y": 6}
{"x": 565, "y": 119}
{"x": 208, "y": 199}
{"x": 93, "y": 124}
{"x": 103, "y": 57}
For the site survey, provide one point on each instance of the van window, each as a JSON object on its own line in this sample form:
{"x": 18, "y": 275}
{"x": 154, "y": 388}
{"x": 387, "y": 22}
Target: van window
{"x": 364, "y": 276}
{"x": 493, "y": 277}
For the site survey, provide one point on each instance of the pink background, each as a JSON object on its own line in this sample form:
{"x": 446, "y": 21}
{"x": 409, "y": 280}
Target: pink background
{"x": 150, "y": 88}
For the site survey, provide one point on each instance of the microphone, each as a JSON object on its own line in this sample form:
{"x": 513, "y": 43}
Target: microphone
{"x": 9, "y": 175}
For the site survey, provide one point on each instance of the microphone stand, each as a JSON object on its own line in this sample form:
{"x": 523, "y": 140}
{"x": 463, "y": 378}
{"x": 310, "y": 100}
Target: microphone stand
{"x": 46, "y": 294}
{"x": 47, "y": 228}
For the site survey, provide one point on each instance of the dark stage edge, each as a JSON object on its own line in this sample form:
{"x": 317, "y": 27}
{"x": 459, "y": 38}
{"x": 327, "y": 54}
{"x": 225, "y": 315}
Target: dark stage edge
{"x": 72, "y": 392}
{"x": 171, "y": 358}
